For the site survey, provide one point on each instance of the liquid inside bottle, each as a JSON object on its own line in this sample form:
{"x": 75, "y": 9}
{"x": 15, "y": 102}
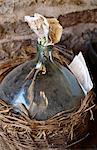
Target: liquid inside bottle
{"x": 43, "y": 86}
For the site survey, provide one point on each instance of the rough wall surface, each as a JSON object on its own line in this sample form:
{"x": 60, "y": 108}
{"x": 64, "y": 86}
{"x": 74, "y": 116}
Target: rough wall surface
{"x": 78, "y": 18}
{"x": 13, "y": 10}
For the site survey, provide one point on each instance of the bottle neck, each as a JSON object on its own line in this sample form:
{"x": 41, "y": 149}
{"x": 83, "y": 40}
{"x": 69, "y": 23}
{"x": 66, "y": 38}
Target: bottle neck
{"x": 44, "y": 53}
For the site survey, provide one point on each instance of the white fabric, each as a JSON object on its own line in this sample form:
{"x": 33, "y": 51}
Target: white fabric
{"x": 80, "y": 70}
{"x": 40, "y": 26}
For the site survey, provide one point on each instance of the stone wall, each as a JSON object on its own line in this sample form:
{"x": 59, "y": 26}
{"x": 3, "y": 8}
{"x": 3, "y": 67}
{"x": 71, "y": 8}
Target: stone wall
{"x": 78, "y": 18}
{"x": 14, "y": 10}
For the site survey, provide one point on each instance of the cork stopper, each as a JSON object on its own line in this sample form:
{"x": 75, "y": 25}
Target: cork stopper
{"x": 49, "y": 31}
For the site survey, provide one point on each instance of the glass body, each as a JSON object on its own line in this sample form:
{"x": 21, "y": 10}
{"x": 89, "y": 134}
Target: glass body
{"x": 43, "y": 93}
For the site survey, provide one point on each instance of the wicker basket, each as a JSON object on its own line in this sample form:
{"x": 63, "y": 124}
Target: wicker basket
{"x": 19, "y": 132}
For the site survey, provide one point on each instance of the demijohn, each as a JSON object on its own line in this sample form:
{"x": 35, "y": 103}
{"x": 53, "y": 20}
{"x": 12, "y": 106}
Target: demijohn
{"x": 41, "y": 86}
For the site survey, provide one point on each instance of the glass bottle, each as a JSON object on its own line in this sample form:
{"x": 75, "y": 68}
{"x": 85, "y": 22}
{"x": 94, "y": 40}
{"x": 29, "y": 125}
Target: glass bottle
{"x": 42, "y": 86}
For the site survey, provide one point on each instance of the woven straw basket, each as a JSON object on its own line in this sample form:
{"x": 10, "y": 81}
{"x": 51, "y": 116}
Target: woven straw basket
{"x": 59, "y": 132}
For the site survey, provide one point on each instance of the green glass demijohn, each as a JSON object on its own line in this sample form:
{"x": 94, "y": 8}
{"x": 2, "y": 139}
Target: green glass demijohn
{"x": 42, "y": 86}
